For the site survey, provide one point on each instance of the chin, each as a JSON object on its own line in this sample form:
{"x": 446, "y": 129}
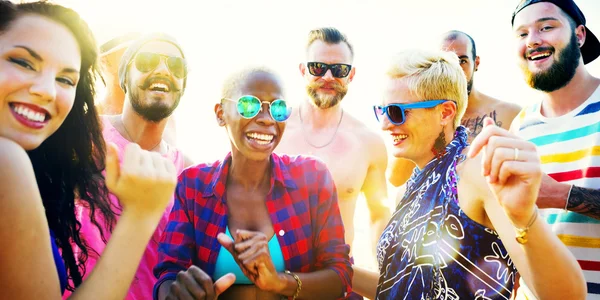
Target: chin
{"x": 400, "y": 154}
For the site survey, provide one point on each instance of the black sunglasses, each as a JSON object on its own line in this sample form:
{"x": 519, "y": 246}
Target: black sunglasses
{"x": 337, "y": 70}
{"x": 147, "y": 61}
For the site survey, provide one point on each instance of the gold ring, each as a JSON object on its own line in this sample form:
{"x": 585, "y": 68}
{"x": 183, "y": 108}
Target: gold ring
{"x": 516, "y": 154}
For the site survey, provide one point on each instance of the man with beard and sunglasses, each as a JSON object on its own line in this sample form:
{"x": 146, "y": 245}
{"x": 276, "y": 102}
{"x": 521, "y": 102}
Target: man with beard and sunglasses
{"x": 480, "y": 105}
{"x": 114, "y": 96}
{"x": 355, "y": 155}
{"x": 152, "y": 73}
{"x": 554, "y": 45}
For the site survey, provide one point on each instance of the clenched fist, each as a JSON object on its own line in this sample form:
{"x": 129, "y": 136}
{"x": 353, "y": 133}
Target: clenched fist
{"x": 144, "y": 182}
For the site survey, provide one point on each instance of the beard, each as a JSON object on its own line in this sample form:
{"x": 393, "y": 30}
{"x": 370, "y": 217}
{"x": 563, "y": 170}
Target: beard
{"x": 326, "y": 101}
{"x": 155, "y": 111}
{"x": 470, "y": 84}
{"x": 560, "y": 73}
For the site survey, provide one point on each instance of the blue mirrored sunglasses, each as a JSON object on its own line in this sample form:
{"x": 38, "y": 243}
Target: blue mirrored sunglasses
{"x": 249, "y": 106}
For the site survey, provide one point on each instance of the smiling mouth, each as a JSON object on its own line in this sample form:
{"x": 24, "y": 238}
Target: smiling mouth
{"x": 29, "y": 114}
{"x": 260, "y": 138}
{"x": 399, "y": 137}
{"x": 159, "y": 87}
{"x": 539, "y": 56}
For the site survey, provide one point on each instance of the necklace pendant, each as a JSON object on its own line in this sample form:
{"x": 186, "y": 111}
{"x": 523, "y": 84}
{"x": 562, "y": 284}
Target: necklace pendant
{"x": 521, "y": 237}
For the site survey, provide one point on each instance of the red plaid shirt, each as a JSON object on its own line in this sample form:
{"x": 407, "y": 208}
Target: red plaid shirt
{"x": 302, "y": 204}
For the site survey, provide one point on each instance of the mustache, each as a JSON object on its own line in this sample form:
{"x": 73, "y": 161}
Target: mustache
{"x": 146, "y": 84}
{"x": 539, "y": 49}
{"x": 334, "y": 85}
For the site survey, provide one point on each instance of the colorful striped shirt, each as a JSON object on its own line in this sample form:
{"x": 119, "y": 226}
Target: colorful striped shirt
{"x": 569, "y": 148}
{"x": 302, "y": 205}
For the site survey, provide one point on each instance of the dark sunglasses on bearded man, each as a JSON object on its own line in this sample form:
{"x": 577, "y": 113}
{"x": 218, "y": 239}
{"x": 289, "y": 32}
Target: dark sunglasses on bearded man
{"x": 337, "y": 70}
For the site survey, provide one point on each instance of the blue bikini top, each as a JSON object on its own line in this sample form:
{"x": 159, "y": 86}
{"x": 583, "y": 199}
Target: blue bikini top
{"x": 226, "y": 264}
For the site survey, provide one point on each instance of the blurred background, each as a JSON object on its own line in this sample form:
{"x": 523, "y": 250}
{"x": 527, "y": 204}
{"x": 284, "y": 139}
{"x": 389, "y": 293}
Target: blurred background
{"x": 220, "y": 37}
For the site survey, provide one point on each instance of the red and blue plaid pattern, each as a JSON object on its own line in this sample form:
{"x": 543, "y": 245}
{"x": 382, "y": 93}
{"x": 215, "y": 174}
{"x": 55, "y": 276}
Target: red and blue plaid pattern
{"x": 302, "y": 204}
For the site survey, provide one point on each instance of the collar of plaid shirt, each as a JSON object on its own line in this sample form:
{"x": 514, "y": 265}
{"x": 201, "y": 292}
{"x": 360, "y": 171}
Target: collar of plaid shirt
{"x": 281, "y": 176}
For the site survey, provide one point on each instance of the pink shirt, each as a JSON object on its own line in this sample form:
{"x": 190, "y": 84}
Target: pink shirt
{"x": 141, "y": 287}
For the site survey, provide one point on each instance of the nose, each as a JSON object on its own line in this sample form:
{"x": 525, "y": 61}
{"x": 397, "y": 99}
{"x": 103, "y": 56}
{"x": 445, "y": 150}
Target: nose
{"x": 264, "y": 115}
{"x": 162, "y": 68}
{"x": 533, "y": 40}
{"x": 44, "y": 87}
{"x": 328, "y": 75}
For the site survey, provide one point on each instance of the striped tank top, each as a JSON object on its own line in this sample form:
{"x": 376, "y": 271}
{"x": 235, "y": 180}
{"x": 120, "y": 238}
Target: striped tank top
{"x": 569, "y": 148}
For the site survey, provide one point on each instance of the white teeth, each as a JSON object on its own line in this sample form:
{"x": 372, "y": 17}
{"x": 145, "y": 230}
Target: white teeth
{"x": 539, "y": 56}
{"x": 160, "y": 86}
{"x": 30, "y": 114}
{"x": 261, "y": 138}
{"x": 399, "y": 137}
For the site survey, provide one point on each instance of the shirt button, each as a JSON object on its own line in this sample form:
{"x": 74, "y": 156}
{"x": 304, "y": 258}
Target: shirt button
{"x": 281, "y": 232}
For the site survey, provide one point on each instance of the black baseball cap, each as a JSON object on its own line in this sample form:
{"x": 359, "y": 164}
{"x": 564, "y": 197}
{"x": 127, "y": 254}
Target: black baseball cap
{"x": 591, "y": 47}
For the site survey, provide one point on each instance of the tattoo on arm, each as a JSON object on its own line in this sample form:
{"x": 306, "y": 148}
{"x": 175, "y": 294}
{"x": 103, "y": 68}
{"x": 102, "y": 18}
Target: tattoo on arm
{"x": 475, "y": 125}
{"x": 585, "y": 201}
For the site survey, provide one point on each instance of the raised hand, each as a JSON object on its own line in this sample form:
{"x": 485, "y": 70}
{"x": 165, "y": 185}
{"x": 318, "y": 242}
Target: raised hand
{"x": 144, "y": 182}
{"x": 512, "y": 167}
{"x": 251, "y": 251}
{"x": 196, "y": 284}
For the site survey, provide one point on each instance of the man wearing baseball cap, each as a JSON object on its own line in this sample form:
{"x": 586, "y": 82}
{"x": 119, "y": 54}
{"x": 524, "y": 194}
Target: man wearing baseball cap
{"x": 554, "y": 45}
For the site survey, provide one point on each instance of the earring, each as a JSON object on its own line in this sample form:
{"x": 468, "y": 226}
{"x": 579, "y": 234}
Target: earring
{"x": 439, "y": 146}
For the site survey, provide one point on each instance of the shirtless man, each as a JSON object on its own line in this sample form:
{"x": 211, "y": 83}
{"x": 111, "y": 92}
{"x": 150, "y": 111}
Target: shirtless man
{"x": 114, "y": 97}
{"x": 480, "y": 105}
{"x": 355, "y": 155}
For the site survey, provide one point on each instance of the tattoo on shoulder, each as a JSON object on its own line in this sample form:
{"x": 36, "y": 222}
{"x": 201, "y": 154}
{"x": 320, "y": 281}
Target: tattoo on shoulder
{"x": 475, "y": 125}
{"x": 585, "y": 201}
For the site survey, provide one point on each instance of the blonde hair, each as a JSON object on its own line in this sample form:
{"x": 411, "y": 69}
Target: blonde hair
{"x": 432, "y": 75}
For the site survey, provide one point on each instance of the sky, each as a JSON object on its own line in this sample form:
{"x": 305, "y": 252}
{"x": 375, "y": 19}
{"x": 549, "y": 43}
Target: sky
{"x": 221, "y": 37}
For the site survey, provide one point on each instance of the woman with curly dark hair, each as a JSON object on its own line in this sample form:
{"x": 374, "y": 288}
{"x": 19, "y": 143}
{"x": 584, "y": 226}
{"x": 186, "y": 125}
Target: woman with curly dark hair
{"x": 52, "y": 152}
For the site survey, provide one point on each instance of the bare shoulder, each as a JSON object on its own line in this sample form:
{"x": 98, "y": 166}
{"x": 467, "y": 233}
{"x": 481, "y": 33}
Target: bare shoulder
{"x": 370, "y": 138}
{"x": 12, "y": 156}
{"x": 17, "y": 177}
{"x": 504, "y": 112}
{"x": 510, "y": 109}
{"x": 503, "y": 108}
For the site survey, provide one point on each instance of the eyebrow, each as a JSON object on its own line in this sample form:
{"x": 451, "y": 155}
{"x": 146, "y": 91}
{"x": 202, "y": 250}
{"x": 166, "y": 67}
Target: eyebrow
{"x": 39, "y": 58}
{"x": 540, "y": 20}
{"x": 463, "y": 56}
{"x": 31, "y": 52}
